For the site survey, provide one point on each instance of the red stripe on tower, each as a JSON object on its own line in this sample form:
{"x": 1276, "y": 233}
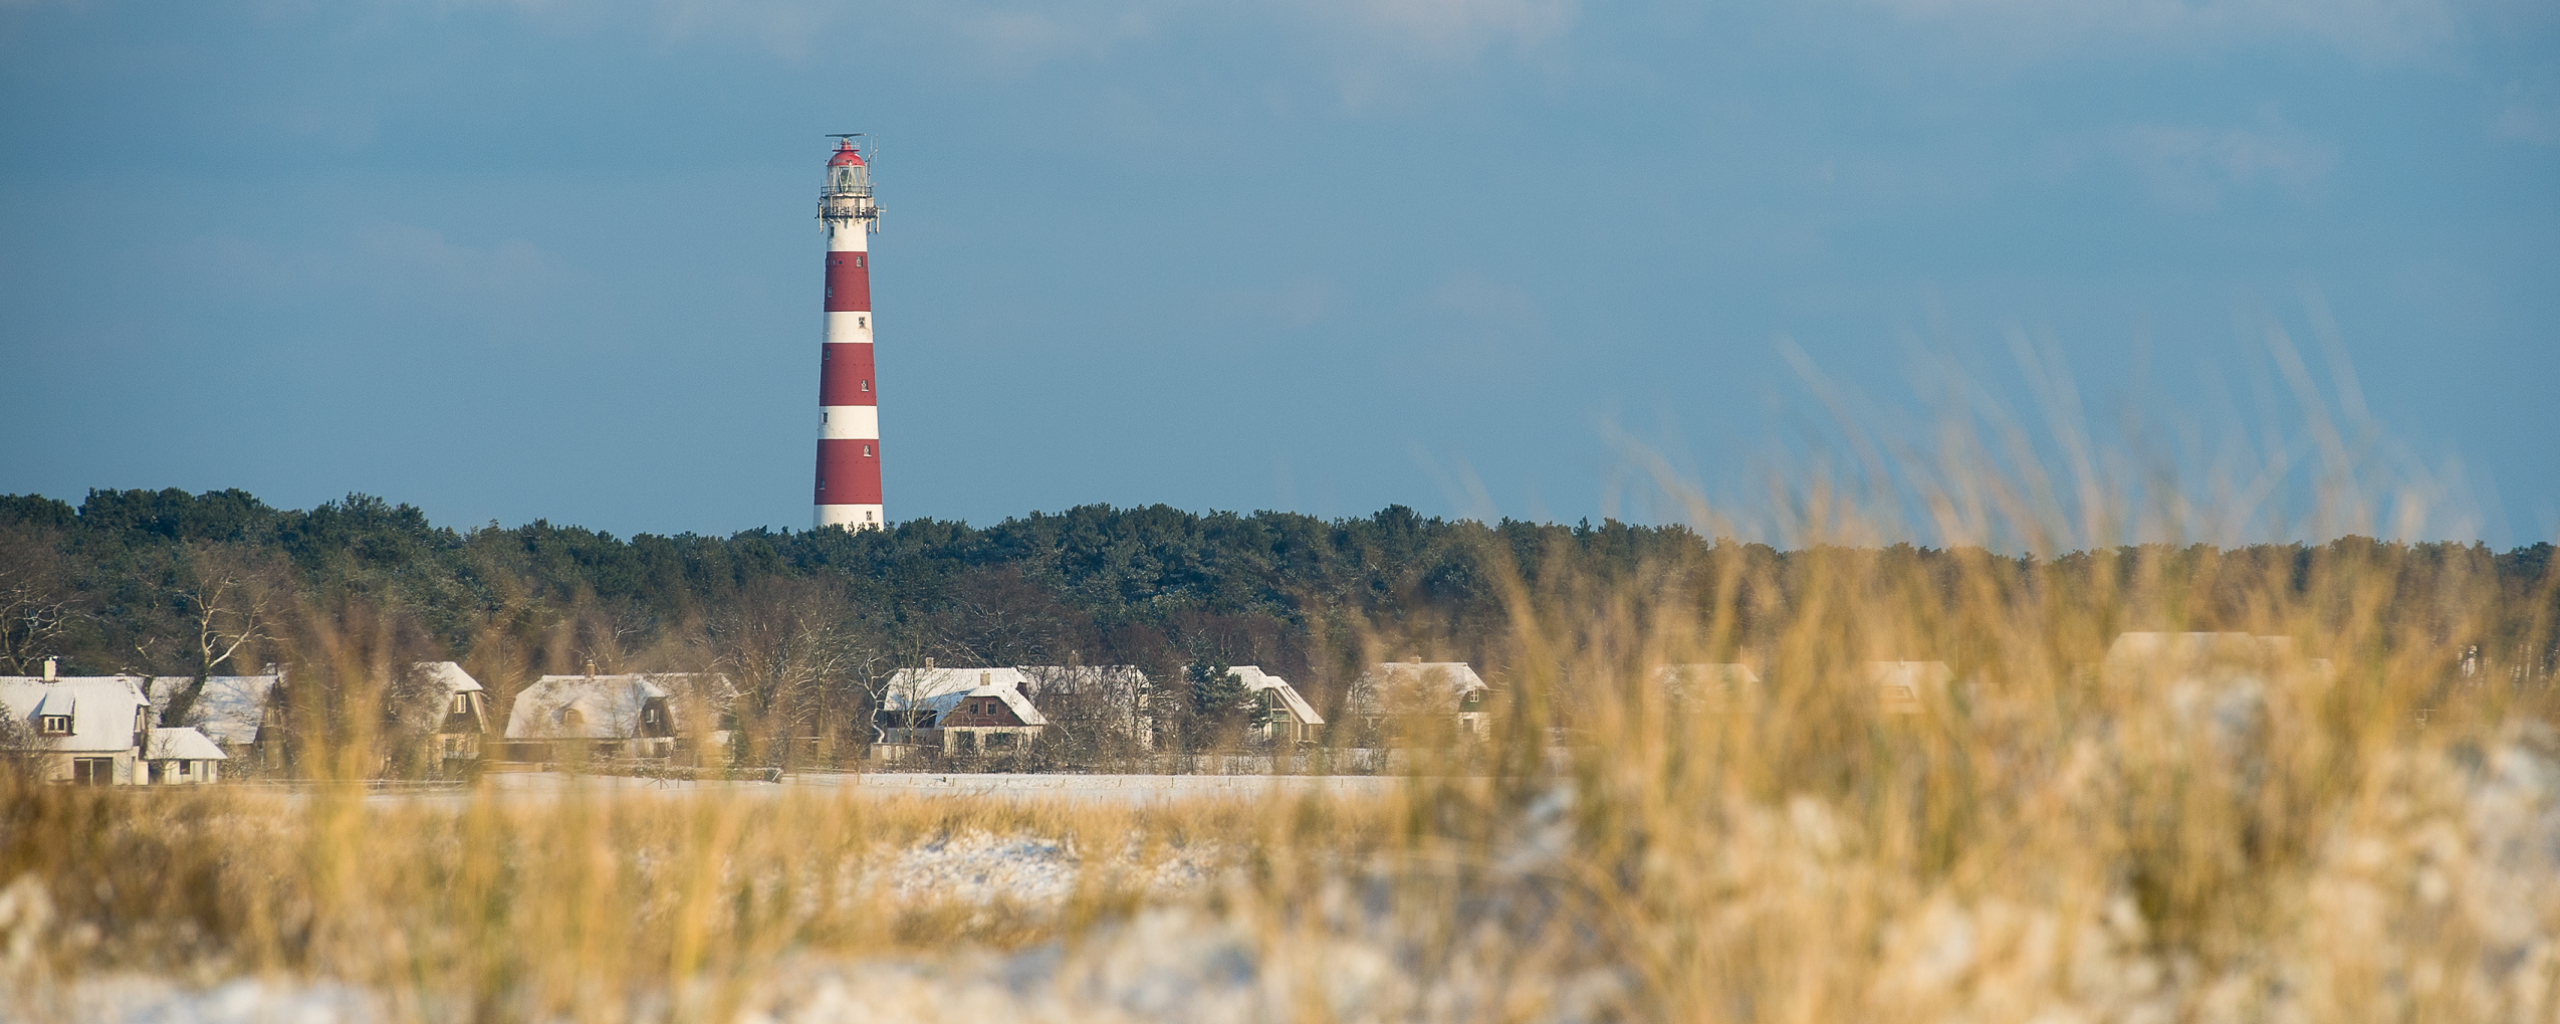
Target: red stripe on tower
{"x": 852, "y": 468}
{"x": 848, "y": 282}
{"x": 848, "y": 491}
{"x": 844, "y": 376}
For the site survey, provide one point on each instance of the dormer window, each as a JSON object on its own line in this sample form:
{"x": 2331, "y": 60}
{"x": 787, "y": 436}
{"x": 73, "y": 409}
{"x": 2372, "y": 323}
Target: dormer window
{"x": 461, "y": 703}
{"x": 54, "y": 725}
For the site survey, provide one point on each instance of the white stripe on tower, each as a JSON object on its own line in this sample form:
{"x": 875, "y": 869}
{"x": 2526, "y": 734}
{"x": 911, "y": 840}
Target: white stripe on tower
{"x": 848, "y": 397}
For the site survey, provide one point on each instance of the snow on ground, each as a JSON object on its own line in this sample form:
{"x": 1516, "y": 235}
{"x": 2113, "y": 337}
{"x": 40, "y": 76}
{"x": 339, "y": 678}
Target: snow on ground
{"x": 2468, "y": 841}
{"x": 977, "y": 868}
{"x": 1120, "y": 789}
{"x": 1133, "y": 789}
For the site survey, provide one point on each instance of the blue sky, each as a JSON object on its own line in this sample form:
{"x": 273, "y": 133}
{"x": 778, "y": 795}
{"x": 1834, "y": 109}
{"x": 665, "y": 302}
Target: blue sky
{"x": 555, "y": 258}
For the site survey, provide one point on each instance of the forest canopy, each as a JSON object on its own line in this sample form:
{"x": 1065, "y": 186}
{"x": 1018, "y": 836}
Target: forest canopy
{"x": 173, "y": 584}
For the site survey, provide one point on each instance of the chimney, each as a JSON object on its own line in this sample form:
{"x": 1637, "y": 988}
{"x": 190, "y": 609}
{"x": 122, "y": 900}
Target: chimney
{"x": 49, "y": 667}
{"x": 928, "y": 664}
{"x": 591, "y": 668}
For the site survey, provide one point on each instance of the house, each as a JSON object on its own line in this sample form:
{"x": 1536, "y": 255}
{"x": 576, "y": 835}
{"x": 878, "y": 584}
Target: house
{"x": 1395, "y": 694}
{"x": 1706, "y": 687}
{"x": 1906, "y": 687}
{"x": 957, "y": 710}
{"x": 565, "y": 718}
{"x": 465, "y": 713}
{"x": 1284, "y": 716}
{"x": 86, "y": 730}
{"x": 182, "y": 756}
{"x": 243, "y": 715}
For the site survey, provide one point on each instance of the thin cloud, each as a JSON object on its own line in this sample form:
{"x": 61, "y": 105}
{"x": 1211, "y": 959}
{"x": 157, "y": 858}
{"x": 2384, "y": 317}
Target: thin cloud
{"x": 2376, "y": 31}
{"x": 424, "y": 259}
{"x": 1452, "y": 29}
{"x": 2528, "y": 116}
{"x": 2190, "y": 168}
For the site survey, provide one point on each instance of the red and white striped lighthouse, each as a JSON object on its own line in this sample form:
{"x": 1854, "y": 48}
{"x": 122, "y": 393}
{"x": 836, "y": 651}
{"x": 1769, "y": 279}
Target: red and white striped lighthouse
{"x": 848, "y": 401}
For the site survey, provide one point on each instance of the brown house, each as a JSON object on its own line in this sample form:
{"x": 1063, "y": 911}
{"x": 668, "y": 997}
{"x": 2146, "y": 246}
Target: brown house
{"x": 961, "y": 710}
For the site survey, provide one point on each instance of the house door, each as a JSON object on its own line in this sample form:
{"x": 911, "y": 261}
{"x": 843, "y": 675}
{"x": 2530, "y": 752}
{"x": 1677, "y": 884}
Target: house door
{"x": 93, "y": 771}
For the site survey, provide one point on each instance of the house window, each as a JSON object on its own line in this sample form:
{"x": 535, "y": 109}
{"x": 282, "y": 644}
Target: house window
{"x": 54, "y": 725}
{"x": 186, "y": 767}
{"x": 93, "y": 771}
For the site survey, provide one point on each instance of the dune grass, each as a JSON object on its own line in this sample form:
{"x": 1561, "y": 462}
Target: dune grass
{"x": 2339, "y": 822}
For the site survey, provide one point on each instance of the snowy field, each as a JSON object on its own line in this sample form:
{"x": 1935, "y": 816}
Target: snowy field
{"x": 2472, "y": 843}
{"x": 1117, "y": 789}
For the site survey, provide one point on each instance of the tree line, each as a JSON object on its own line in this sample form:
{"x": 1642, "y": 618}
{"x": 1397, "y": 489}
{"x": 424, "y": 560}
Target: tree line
{"x": 810, "y": 624}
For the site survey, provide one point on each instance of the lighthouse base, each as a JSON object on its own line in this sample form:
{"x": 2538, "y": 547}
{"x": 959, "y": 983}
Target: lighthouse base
{"x": 852, "y": 517}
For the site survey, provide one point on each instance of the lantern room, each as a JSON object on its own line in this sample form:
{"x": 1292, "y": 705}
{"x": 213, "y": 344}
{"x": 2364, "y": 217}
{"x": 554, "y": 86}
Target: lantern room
{"x": 846, "y": 174}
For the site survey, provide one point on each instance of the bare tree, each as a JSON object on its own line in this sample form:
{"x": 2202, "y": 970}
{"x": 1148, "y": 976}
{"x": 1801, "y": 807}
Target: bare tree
{"x": 35, "y": 607}
{"x": 231, "y": 603}
{"x": 796, "y": 656}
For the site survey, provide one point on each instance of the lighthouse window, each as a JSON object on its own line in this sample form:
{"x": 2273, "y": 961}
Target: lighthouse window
{"x": 866, "y": 451}
{"x": 866, "y": 385}
{"x": 862, "y": 322}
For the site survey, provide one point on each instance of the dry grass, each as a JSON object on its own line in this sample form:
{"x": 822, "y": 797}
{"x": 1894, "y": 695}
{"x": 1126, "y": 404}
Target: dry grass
{"x": 585, "y": 904}
{"x": 2056, "y": 837}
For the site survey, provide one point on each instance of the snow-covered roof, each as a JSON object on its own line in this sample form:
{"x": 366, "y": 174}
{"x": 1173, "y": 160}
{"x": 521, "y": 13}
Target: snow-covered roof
{"x": 455, "y": 680}
{"x": 1257, "y": 680}
{"x": 1408, "y": 686}
{"x": 940, "y": 690}
{"x": 230, "y": 708}
{"x": 101, "y": 709}
{"x": 606, "y": 707}
{"x": 182, "y": 745}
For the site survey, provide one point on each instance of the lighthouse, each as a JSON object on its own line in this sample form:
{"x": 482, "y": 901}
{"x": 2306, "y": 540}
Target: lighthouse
{"x": 848, "y": 400}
